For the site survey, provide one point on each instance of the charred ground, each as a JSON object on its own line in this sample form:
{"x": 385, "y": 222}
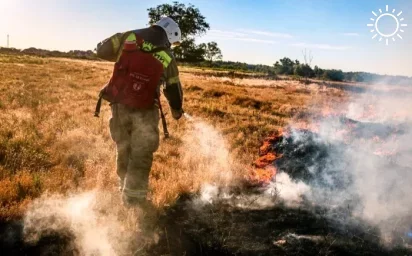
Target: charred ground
{"x": 47, "y": 107}
{"x": 222, "y": 229}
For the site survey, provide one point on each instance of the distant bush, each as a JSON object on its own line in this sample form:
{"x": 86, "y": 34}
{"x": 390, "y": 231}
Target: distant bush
{"x": 304, "y": 70}
{"x": 232, "y": 66}
{"x": 75, "y": 54}
{"x": 286, "y": 66}
{"x": 333, "y": 75}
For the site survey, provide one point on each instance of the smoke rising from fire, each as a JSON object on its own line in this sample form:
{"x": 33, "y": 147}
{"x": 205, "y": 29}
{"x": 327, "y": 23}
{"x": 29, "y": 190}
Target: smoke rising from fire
{"x": 206, "y": 153}
{"x": 366, "y": 169}
{"x": 368, "y": 165}
{"x": 289, "y": 191}
{"x": 90, "y": 218}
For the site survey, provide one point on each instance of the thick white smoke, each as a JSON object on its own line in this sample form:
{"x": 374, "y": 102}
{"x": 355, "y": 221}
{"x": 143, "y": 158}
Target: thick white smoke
{"x": 289, "y": 191}
{"x": 206, "y": 152}
{"x": 91, "y": 218}
{"x": 371, "y": 165}
{"x": 368, "y": 171}
{"x": 376, "y": 159}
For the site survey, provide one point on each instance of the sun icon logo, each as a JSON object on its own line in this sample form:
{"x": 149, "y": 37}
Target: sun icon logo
{"x": 394, "y": 32}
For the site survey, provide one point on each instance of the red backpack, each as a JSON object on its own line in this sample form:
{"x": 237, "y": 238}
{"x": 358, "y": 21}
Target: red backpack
{"x": 135, "y": 77}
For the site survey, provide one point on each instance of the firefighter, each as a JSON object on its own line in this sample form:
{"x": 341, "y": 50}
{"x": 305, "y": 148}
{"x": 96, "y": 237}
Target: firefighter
{"x": 134, "y": 121}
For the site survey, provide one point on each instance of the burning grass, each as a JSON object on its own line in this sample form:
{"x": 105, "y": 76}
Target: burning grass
{"x": 349, "y": 165}
{"x": 52, "y": 143}
{"x": 50, "y": 135}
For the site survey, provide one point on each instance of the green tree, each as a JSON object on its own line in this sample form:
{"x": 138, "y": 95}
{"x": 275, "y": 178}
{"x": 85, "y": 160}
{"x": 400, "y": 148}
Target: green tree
{"x": 334, "y": 75}
{"x": 303, "y": 70}
{"x": 318, "y": 72}
{"x": 297, "y": 70}
{"x": 284, "y": 66}
{"x": 191, "y": 22}
{"x": 189, "y": 18}
{"x": 212, "y": 51}
{"x": 189, "y": 51}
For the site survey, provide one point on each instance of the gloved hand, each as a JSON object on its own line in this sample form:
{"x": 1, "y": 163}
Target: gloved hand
{"x": 177, "y": 113}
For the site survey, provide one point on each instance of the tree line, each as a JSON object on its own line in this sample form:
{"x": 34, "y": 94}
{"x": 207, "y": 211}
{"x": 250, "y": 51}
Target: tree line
{"x": 193, "y": 24}
{"x": 286, "y": 66}
{"x": 74, "y": 54}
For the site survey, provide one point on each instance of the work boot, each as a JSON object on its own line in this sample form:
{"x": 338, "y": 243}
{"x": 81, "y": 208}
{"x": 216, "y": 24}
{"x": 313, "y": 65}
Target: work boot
{"x": 130, "y": 202}
{"x": 149, "y": 221}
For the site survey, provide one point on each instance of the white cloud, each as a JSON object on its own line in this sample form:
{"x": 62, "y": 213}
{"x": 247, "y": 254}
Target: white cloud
{"x": 256, "y": 40}
{"x": 350, "y": 34}
{"x": 322, "y": 46}
{"x": 216, "y": 32}
{"x": 220, "y": 34}
{"x": 265, "y": 33}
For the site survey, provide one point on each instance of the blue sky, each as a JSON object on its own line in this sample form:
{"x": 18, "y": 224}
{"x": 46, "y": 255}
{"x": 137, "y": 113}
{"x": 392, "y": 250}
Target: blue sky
{"x": 259, "y": 31}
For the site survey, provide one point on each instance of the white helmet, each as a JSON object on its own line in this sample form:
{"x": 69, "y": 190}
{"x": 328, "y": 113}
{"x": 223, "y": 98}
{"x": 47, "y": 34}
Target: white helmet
{"x": 171, "y": 28}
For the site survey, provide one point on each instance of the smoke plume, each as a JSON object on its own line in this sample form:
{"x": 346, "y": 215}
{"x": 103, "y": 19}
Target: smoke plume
{"x": 205, "y": 152}
{"x": 367, "y": 162}
{"x": 92, "y": 219}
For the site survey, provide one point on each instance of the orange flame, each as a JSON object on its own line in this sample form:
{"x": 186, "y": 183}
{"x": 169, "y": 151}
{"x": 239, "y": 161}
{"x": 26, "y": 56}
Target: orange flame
{"x": 262, "y": 176}
{"x": 264, "y": 171}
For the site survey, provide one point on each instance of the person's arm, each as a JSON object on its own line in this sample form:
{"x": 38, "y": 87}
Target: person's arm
{"x": 173, "y": 90}
{"x": 110, "y": 48}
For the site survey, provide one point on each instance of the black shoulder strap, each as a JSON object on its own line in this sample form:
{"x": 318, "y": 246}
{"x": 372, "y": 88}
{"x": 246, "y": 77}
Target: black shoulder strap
{"x": 158, "y": 49}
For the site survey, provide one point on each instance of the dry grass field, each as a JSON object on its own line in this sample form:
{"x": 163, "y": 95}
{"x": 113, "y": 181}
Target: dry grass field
{"x": 51, "y": 143}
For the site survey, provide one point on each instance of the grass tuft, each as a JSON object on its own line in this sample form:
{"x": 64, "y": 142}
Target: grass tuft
{"x": 214, "y": 93}
{"x": 247, "y": 102}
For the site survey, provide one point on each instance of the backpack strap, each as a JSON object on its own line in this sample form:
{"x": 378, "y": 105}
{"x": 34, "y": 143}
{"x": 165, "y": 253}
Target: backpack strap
{"x": 158, "y": 49}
